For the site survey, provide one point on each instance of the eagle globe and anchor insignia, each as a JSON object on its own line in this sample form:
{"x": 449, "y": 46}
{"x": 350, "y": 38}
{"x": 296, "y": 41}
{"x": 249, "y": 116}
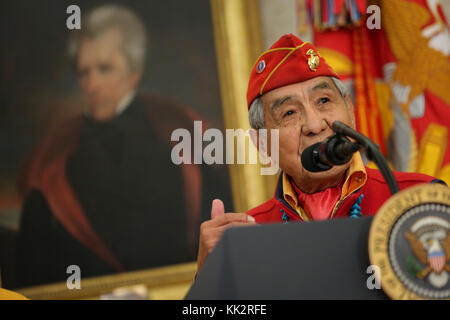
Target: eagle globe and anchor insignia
{"x": 313, "y": 60}
{"x": 410, "y": 241}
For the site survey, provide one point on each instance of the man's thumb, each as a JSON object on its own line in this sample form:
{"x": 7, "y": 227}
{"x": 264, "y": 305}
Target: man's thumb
{"x": 217, "y": 208}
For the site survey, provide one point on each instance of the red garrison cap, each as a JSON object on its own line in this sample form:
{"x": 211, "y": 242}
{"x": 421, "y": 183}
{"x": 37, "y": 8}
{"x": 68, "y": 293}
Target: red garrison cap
{"x": 288, "y": 61}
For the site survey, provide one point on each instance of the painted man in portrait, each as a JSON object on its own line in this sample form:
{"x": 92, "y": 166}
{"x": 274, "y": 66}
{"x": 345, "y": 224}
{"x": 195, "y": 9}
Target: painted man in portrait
{"x": 101, "y": 191}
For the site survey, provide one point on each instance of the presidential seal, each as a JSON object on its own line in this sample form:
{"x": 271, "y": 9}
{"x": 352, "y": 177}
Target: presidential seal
{"x": 409, "y": 241}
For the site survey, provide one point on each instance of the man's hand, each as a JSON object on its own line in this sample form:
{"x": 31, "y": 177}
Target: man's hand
{"x": 211, "y": 230}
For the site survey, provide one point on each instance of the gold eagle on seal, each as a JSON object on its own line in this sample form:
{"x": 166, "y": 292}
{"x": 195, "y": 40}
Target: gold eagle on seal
{"x": 429, "y": 239}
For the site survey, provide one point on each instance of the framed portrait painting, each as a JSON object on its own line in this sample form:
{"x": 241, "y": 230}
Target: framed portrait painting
{"x": 92, "y": 93}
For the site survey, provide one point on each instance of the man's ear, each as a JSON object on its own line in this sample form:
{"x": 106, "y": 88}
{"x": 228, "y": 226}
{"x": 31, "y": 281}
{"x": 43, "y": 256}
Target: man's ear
{"x": 351, "y": 110}
{"x": 261, "y": 145}
{"x": 254, "y": 136}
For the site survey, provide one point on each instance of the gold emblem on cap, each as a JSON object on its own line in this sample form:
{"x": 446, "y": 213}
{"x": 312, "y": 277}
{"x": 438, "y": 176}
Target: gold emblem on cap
{"x": 313, "y": 60}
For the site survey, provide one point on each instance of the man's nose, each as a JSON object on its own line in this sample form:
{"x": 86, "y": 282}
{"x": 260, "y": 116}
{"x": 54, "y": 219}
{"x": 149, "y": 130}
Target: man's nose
{"x": 314, "y": 123}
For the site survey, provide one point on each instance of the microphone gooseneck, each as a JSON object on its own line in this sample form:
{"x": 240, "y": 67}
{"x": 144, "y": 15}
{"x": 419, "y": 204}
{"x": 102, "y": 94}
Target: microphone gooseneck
{"x": 338, "y": 150}
{"x": 373, "y": 153}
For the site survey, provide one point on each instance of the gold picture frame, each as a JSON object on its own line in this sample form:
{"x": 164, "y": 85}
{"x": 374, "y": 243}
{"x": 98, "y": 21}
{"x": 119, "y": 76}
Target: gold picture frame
{"x": 238, "y": 42}
{"x": 238, "y": 39}
{"x": 165, "y": 283}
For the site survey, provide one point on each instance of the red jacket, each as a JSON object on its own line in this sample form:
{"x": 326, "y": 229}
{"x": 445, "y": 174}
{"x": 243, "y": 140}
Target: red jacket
{"x": 375, "y": 192}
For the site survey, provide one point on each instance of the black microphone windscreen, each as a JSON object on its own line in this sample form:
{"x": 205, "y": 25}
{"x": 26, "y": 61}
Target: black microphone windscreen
{"x": 309, "y": 162}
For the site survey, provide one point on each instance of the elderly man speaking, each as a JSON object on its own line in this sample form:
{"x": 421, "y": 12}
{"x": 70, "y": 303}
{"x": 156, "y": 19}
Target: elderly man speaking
{"x": 294, "y": 90}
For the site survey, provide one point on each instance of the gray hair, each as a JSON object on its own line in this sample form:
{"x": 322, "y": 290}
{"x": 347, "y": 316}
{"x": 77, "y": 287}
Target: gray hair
{"x": 108, "y": 17}
{"x": 256, "y": 111}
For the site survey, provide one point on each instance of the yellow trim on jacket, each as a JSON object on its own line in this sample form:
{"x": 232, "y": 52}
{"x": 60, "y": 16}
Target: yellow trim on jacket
{"x": 356, "y": 177}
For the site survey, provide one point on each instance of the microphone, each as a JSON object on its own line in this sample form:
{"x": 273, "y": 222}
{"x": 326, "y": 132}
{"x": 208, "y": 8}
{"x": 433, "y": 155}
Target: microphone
{"x": 335, "y": 150}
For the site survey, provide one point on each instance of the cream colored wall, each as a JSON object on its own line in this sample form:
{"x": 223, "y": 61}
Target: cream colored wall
{"x": 278, "y": 17}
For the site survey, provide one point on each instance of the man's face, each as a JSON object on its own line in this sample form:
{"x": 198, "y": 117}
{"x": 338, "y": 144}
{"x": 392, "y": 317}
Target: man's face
{"x": 303, "y": 113}
{"x": 103, "y": 74}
